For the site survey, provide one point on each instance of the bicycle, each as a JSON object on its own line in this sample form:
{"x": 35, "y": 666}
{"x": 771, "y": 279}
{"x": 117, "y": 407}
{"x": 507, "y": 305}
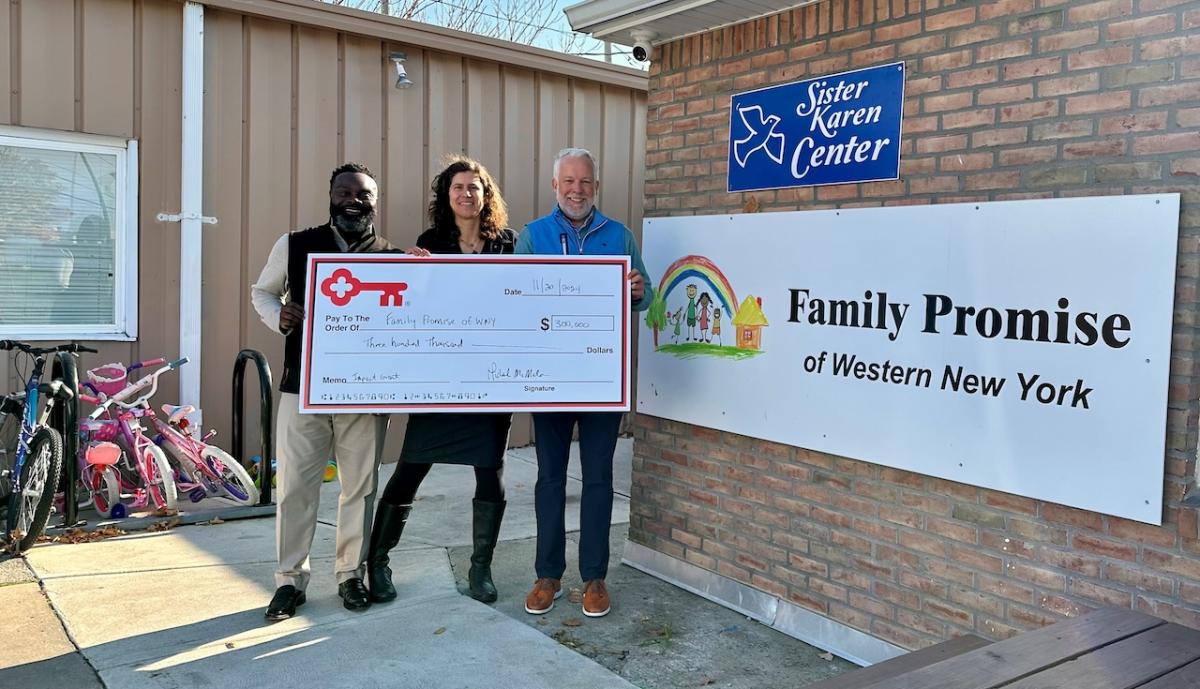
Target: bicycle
{"x": 34, "y": 470}
{"x": 115, "y": 418}
{"x": 203, "y": 470}
{"x": 213, "y": 471}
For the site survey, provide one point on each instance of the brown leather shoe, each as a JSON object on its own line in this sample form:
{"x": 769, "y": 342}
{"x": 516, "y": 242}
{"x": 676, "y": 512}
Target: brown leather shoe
{"x": 541, "y": 599}
{"x": 595, "y": 599}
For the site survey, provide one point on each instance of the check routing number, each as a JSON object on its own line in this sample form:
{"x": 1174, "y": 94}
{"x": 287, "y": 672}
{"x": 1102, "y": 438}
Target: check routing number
{"x": 393, "y": 333}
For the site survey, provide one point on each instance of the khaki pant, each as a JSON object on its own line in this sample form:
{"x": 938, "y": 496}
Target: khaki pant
{"x": 305, "y": 444}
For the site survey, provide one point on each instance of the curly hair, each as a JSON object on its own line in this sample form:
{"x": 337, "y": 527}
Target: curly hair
{"x": 492, "y": 219}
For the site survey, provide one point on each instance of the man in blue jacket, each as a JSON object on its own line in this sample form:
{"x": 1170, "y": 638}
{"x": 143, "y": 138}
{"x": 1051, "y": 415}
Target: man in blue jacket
{"x": 577, "y": 227}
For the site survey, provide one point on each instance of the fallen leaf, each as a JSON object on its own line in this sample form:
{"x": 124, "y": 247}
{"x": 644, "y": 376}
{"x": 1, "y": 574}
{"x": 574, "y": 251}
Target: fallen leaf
{"x": 81, "y": 536}
{"x": 825, "y": 656}
{"x": 575, "y": 596}
{"x": 751, "y": 205}
{"x": 563, "y": 637}
{"x": 572, "y": 622}
{"x": 164, "y": 526}
{"x": 216, "y": 520}
{"x": 543, "y": 621}
{"x": 439, "y": 630}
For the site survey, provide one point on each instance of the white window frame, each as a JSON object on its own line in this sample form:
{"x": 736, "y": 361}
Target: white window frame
{"x": 125, "y": 264}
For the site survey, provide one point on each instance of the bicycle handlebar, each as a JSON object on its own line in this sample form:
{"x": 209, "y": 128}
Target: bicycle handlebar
{"x": 73, "y": 347}
{"x": 145, "y": 364}
{"x": 151, "y": 380}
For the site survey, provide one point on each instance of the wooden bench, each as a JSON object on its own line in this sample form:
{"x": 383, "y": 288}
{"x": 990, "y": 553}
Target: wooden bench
{"x": 1105, "y": 649}
{"x": 902, "y": 664}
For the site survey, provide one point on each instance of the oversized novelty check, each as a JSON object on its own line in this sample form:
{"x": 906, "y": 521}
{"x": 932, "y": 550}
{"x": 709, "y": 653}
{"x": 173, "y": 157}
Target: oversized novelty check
{"x": 394, "y": 333}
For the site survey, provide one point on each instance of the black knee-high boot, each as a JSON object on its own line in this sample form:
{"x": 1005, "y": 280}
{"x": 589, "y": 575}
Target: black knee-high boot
{"x": 485, "y": 529}
{"x": 385, "y": 534}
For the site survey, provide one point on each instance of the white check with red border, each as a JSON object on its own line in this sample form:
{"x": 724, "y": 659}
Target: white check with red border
{"x": 393, "y": 333}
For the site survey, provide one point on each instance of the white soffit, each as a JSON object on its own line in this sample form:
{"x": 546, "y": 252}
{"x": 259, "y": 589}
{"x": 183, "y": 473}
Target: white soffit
{"x": 614, "y": 20}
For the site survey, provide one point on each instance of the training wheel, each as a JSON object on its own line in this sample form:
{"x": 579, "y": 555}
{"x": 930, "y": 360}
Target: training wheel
{"x": 118, "y": 511}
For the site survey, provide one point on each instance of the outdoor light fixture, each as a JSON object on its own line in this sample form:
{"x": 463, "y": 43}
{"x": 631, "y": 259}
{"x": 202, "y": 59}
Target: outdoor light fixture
{"x": 402, "y": 80}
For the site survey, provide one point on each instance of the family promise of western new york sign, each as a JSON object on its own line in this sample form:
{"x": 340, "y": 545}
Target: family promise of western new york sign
{"x": 1022, "y": 346}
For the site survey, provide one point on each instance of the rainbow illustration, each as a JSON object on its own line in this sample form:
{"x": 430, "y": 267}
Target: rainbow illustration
{"x": 704, "y": 270}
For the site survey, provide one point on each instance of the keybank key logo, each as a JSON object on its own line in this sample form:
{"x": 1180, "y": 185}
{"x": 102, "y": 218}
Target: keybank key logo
{"x": 342, "y": 286}
{"x": 835, "y": 129}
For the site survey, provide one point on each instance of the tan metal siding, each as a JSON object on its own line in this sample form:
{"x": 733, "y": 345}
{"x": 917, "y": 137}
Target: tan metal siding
{"x": 107, "y": 50}
{"x": 47, "y": 64}
{"x": 284, "y": 104}
{"x": 362, "y": 129}
{"x": 553, "y": 128}
{"x": 318, "y": 151}
{"x": 157, "y": 99}
{"x": 269, "y": 169}
{"x": 484, "y": 114}
{"x": 614, "y": 151}
{"x": 520, "y": 172}
{"x": 406, "y": 181}
{"x": 443, "y": 84}
{"x": 587, "y": 122}
{"x": 637, "y": 165}
{"x": 224, "y": 243}
{"x": 9, "y": 47}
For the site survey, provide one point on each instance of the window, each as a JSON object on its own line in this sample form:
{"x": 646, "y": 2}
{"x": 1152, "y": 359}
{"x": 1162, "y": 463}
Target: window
{"x": 68, "y": 236}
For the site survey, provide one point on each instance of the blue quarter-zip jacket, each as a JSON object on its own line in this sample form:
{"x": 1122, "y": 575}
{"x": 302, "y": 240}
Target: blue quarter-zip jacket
{"x": 603, "y": 236}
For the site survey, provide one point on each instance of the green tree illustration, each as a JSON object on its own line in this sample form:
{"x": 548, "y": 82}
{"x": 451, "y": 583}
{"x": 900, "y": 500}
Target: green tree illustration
{"x": 656, "y": 316}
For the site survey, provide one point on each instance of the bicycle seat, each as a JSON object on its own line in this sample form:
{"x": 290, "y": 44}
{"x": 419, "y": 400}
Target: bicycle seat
{"x": 175, "y": 413}
{"x": 102, "y": 453}
{"x": 57, "y": 389}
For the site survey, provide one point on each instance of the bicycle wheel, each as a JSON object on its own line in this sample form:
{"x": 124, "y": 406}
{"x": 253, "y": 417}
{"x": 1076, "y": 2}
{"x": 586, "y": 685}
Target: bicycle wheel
{"x": 29, "y": 511}
{"x": 237, "y": 482}
{"x": 105, "y": 489}
{"x": 161, "y": 480}
{"x": 10, "y": 434}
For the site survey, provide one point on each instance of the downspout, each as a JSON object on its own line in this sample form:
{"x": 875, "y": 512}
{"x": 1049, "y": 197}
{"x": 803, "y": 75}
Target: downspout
{"x": 190, "y": 198}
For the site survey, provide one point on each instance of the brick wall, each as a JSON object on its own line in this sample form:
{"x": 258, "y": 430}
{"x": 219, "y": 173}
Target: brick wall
{"x": 1009, "y": 99}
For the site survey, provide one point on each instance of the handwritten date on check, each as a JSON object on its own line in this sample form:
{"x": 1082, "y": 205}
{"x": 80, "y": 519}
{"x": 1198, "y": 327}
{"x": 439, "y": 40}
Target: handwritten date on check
{"x": 394, "y": 333}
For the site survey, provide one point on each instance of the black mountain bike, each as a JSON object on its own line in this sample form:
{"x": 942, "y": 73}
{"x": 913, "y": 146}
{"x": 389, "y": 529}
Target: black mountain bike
{"x": 31, "y": 456}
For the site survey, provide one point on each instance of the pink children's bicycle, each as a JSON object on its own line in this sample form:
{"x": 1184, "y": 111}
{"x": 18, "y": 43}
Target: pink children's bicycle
{"x": 132, "y": 472}
{"x": 200, "y": 470}
{"x": 203, "y": 470}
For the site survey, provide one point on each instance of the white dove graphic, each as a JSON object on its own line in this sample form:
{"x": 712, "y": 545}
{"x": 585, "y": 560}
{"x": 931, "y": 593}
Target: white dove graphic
{"x": 742, "y": 148}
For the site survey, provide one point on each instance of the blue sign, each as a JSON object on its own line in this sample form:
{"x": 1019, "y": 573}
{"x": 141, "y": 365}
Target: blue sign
{"x": 834, "y": 129}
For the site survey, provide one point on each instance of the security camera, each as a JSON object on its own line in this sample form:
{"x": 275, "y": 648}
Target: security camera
{"x": 641, "y": 44}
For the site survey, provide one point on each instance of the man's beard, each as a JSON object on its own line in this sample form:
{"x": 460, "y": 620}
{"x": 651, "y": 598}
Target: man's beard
{"x": 577, "y": 216}
{"x": 350, "y": 224}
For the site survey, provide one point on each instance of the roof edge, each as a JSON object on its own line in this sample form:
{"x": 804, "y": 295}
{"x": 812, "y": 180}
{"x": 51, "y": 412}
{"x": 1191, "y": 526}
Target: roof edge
{"x": 418, "y": 34}
{"x": 616, "y": 20}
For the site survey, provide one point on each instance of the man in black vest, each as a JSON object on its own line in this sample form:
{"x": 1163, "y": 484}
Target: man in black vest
{"x": 306, "y": 441}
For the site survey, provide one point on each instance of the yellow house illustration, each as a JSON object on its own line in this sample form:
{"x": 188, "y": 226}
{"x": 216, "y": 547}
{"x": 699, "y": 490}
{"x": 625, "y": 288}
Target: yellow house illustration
{"x": 749, "y": 322}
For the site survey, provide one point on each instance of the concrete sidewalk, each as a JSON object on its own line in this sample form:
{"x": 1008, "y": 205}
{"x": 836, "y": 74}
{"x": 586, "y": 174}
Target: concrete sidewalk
{"x": 183, "y": 608}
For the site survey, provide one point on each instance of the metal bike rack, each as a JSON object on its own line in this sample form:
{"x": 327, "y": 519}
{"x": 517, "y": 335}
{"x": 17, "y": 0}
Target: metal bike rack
{"x": 65, "y": 418}
{"x": 266, "y": 417}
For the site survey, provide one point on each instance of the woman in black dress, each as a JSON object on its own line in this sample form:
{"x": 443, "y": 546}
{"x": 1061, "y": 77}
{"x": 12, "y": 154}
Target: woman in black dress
{"x": 468, "y": 216}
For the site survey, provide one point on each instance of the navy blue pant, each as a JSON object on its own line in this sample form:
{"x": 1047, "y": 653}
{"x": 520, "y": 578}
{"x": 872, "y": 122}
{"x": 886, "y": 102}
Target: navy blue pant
{"x": 597, "y": 442}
